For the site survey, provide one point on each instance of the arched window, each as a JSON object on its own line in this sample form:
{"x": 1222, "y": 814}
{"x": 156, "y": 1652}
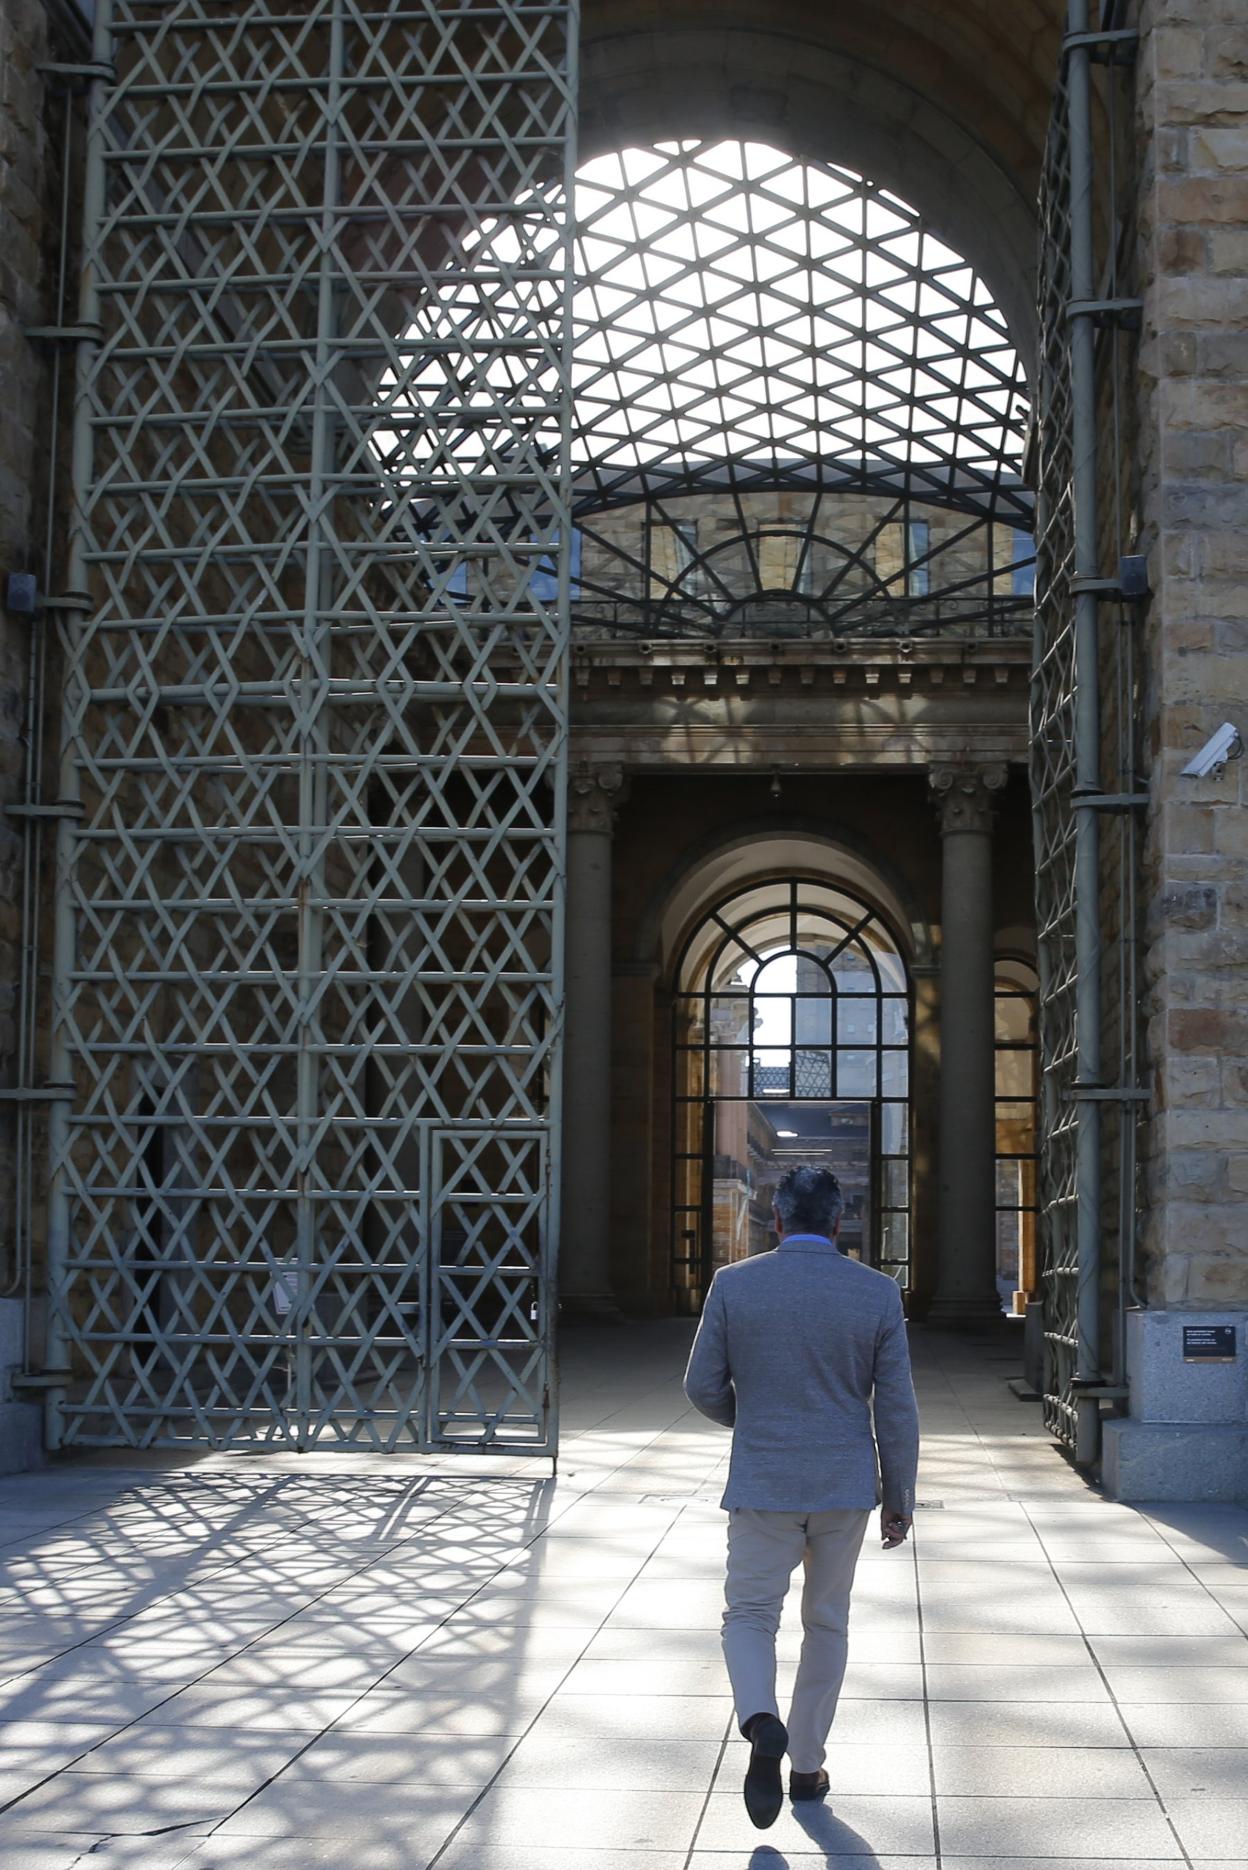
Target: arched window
{"x": 791, "y": 1043}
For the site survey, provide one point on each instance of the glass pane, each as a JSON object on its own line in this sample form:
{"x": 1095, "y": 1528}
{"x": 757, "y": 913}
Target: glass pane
{"x": 813, "y": 1073}
{"x": 1015, "y": 1074}
{"x": 894, "y": 1236}
{"x": 857, "y": 1022}
{"x": 773, "y": 1021}
{"x": 689, "y": 1129}
{"x": 778, "y": 975}
{"x": 729, "y": 1017}
{"x": 1016, "y": 1129}
{"x": 688, "y": 1010}
{"x": 773, "y": 1074}
{"x": 853, "y": 972}
{"x": 856, "y": 1074}
{"x": 1009, "y": 1185}
{"x": 813, "y": 1012}
{"x": 729, "y": 1068}
{"x": 894, "y": 1073}
{"x": 897, "y": 1184}
{"x": 1015, "y": 1018}
{"x": 895, "y": 1016}
{"x": 894, "y": 1129}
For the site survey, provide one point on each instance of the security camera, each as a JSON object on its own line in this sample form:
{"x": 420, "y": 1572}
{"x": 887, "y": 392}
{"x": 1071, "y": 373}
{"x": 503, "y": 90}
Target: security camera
{"x": 1226, "y": 744}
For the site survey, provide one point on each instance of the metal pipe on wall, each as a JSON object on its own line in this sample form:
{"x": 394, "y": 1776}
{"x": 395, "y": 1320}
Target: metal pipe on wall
{"x": 64, "y": 944}
{"x": 1087, "y": 727}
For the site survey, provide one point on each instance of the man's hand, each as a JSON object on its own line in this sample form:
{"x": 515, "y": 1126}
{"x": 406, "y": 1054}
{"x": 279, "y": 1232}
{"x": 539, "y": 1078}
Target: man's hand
{"x": 894, "y": 1528}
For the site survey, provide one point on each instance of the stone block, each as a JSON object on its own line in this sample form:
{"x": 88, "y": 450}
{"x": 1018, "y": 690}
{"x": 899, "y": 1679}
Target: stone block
{"x": 1219, "y": 149}
{"x": 1208, "y": 1029}
{"x": 1228, "y": 250}
{"x": 1166, "y": 1389}
{"x": 1153, "y": 1461}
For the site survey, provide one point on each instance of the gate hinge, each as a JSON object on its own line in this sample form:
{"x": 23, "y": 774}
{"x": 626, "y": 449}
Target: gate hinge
{"x": 68, "y": 600}
{"x": 93, "y": 68}
{"x": 1107, "y": 1094}
{"x": 40, "y": 1379}
{"x": 38, "y": 1094}
{"x": 72, "y": 809}
{"x": 1117, "y": 46}
{"x": 1099, "y": 1392}
{"x": 65, "y": 334}
{"x": 1127, "y": 314}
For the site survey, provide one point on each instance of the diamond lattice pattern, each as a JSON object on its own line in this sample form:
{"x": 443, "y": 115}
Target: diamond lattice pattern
{"x": 312, "y": 1015}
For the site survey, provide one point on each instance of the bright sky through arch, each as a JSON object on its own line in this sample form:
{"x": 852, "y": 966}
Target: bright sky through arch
{"x": 738, "y": 308}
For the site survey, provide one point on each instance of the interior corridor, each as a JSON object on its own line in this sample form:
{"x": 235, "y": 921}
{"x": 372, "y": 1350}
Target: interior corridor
{"x": 286, "y": 1661}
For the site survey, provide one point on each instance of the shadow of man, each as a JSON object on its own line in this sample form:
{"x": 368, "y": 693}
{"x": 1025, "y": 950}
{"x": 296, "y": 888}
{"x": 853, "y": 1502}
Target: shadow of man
{"x": 841, "y": 1846}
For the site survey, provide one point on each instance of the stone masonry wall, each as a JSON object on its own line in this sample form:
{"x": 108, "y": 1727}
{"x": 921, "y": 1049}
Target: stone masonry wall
{"x": 1193, "y": 465}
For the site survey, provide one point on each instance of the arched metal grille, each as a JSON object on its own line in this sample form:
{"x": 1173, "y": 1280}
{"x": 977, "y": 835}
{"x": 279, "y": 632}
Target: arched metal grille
{"x": 791, "y": 1042}
{"x": 307, "y": 972}
{"x": 795, "y": 409}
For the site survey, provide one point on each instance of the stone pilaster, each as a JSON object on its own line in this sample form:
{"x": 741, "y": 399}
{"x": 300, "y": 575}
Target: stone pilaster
{"x": 594, "y": 795}
{"x": 1193, "y": 477}
{"x": 965, "y": 798}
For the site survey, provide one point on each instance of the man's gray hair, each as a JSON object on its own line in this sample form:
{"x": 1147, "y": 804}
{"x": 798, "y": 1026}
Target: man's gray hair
{"x": 809, "y": 1201}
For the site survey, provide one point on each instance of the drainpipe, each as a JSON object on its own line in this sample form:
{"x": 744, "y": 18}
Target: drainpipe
{"x": 1087, "y": 735}
{"x": 69, "y": 799}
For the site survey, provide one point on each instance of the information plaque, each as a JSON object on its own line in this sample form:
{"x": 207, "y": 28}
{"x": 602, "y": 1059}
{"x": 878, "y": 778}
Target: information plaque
{"x": 1209, "y": 1344}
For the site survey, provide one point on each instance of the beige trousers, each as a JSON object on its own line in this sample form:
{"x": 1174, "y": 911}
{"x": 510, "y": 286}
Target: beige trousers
{"x": 764, "y": 1550}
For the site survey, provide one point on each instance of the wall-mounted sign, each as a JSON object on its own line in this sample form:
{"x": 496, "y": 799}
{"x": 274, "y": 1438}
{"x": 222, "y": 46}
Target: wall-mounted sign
{"x": 1209, "y": 1344}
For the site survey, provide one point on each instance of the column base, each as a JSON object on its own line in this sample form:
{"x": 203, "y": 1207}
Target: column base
{"x": 958, "y": 1311}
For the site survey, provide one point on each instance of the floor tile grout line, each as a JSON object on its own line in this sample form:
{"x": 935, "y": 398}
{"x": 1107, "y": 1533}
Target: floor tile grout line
{"x": 927, "y": 1706}
{"x": 491, "y": 1782}
{"x": 710, "y": 1790}
{"x": 1113, "y": 1699}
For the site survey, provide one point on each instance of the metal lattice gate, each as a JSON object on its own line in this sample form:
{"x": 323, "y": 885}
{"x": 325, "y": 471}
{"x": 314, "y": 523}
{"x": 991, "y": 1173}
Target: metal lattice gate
{"x": 309, "y": 879}
{"x": 1085, "y": 787}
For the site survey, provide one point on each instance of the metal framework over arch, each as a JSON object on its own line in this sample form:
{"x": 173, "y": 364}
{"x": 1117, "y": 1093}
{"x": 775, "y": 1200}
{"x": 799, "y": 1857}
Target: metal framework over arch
{"x": 752, "y": 328}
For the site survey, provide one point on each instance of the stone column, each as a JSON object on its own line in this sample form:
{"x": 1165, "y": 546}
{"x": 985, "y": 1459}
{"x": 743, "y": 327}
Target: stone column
{"x": 594, "y": 792}
{"x": 966, "y": 1289}
{"x": 924, "y": 1134}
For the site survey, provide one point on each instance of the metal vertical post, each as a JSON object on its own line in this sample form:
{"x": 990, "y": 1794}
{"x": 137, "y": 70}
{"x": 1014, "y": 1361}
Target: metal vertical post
{"x": 1087, "y": 727}
{"x": 64, "y": 947}
{"x": 548, "y": 1295}
{"x": 313, "y": 746}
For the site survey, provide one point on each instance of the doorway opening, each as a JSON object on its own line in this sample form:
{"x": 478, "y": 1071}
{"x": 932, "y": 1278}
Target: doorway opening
{"x": 791, "y": 1038}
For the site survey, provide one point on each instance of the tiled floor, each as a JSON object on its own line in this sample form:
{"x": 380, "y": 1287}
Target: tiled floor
{"x": 281, "y": 1664}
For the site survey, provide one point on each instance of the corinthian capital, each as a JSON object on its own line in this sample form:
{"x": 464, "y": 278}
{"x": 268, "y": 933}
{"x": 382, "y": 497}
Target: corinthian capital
{"x": 965, "y": 796}
{"x": 594, "y": 792}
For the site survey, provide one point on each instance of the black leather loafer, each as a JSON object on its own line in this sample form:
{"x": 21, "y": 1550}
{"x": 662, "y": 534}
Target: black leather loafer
{"x": 808, "y": 1786}
{"x": 764, "y": 1793}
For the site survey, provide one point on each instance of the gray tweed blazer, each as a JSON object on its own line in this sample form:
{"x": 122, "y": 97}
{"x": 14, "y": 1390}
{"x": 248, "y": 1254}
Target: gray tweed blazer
{"x": 795, "y": 1350}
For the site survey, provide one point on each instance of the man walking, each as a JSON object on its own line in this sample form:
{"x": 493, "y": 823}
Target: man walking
{"x": 795, "y": 1349}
